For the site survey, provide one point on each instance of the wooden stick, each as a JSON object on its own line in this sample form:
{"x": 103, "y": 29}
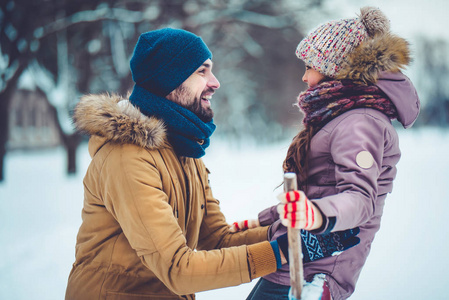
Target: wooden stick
{"x": 294, "y": 245}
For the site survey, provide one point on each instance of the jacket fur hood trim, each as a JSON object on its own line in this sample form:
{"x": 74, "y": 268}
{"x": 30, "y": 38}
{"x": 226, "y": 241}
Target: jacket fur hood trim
{"x": 384, "y": 52}
{"x": 117, "y": 120}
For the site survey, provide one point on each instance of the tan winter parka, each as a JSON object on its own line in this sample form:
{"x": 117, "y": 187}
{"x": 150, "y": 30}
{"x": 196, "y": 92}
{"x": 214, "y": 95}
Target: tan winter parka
{"x": 151, "y": 227}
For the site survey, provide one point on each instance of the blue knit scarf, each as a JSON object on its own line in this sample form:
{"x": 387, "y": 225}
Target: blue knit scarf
{"x": 188, "y": 135}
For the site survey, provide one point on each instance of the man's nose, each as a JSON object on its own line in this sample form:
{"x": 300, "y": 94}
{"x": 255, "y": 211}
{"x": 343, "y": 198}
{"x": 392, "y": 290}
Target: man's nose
{"x": 213, "y": 82}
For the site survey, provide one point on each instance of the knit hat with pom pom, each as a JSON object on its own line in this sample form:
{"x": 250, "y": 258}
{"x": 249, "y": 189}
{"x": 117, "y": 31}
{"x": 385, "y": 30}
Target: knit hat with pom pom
{"x": 326, "y": 48}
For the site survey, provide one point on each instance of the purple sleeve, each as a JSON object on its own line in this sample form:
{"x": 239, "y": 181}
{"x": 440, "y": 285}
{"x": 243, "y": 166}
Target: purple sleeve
{"x": 356, "y": 185}
{"x": 268, "y": 216}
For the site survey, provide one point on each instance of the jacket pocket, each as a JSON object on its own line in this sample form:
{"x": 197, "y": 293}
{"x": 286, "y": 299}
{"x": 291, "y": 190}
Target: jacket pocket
{"x": 127, "y": 296}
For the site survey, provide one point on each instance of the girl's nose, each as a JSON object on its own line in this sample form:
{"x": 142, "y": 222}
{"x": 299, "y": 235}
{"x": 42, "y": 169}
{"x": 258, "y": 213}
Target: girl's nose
{"x": 304, "y": 77}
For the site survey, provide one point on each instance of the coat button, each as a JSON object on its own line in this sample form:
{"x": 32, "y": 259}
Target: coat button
{"x": 202, "y": 206}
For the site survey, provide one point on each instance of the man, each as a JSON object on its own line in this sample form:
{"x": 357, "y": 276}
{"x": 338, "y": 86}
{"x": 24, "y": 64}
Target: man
{"x": 151, "y": 226}
{"x": 148, "y": 203}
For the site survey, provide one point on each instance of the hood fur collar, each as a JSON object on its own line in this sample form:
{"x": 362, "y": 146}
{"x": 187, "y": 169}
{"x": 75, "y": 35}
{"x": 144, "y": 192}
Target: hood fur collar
{"x": 384, "y": 52}
{"x": 117, "y": 120}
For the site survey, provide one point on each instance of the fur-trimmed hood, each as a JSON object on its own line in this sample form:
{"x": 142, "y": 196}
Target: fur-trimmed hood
{"x": 115, "y": 119}
{"x": 379, "y": 61}
{"x": 385, "y": 52}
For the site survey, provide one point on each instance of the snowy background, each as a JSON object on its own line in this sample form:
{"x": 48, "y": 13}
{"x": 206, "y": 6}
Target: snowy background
{"x": 40, "y": 214}
{"x": 40, "y": 206}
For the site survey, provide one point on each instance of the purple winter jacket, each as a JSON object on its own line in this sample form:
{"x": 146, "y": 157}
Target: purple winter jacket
{"x": 347, "y": 191}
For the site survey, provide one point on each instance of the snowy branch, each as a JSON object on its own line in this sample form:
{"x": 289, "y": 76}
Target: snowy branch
{"x": 119, "y": 57}
{"x": 245, "y": 16}
{"x": 102, "y": 13}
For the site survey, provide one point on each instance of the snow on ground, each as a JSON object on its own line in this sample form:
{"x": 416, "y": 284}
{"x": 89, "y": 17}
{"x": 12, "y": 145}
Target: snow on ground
{"x": 40, "y": 214}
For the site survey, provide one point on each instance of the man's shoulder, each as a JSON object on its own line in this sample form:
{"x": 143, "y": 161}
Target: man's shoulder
{"x": 115, "y": 152}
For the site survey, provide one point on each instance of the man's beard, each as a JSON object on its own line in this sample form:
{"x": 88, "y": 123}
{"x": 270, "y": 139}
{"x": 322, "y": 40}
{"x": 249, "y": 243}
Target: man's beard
{"x": 184, "y": 98}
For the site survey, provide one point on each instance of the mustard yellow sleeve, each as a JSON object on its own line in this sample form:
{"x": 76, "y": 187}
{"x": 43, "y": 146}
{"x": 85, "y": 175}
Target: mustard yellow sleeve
{"x": 261, "y": 260}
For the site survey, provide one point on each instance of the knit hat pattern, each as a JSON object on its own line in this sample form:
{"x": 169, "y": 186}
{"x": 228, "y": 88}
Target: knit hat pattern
{"x": 163, "y": 59}
{"x": 326, "y": 48}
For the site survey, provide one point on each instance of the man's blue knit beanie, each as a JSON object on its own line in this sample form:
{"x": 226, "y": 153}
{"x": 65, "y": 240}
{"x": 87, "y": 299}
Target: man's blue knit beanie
{"x": 165, "y": 58}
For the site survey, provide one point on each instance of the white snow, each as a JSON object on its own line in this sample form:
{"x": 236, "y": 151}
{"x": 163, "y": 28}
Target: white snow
{"x": 314, "y": 289}
{"x": 40, "y": 210}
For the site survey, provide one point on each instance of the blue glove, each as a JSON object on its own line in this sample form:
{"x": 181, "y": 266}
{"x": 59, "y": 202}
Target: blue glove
{"x": 315, "y": 247}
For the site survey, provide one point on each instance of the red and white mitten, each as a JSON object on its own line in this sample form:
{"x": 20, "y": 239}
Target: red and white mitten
{"x": 296, "y": 211}
{"x": 244, "y": 225}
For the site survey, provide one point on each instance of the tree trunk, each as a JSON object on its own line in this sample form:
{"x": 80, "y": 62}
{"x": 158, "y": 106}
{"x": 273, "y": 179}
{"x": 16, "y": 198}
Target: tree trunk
{"x": 71, "y": 143}
{"x": 3, "y": 134}
{"x": 5, "y": 97}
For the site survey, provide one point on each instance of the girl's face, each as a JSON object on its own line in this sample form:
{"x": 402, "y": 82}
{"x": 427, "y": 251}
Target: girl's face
{"x": 312, "y": 77}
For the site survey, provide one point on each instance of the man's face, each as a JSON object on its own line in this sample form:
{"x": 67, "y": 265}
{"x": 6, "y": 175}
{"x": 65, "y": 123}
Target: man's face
{"x": 196, "y": 92}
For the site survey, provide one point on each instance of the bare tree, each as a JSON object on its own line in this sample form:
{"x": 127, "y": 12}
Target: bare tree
{"x": 433, "y": 78}
{"x": 62, "y": 45}
{"x": 76, "y": 47}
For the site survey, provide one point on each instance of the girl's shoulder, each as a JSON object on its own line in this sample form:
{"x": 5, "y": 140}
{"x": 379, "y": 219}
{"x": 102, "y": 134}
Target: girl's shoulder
{"x": 359, "y": 118}
{"x": 356, "y": 127}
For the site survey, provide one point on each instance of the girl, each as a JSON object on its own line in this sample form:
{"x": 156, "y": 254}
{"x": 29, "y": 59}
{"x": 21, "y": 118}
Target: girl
{"x": 346, "y": 154}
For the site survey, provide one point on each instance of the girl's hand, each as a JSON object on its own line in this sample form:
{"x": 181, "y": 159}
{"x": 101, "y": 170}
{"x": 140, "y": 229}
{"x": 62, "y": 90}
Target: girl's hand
{"x": 296, "y": 211}
{"x": 243, "y": 225}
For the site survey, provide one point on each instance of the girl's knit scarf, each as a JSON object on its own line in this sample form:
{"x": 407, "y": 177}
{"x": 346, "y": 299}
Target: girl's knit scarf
{"x": 188, "y": 135}
{"x": 330, "y": 99}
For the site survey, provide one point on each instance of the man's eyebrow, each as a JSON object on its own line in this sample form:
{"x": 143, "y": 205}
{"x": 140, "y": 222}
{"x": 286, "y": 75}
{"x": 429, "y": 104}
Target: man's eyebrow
{"x": 207, "y": 65}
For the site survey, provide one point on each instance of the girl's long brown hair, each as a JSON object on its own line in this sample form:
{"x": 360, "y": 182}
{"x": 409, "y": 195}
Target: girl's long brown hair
{"x": 297, "y": 154}
{"x": 296, "y": 160}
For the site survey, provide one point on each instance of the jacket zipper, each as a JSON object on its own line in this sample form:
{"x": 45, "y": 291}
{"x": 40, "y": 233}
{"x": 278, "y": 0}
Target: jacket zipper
{"x": 187, "y": 185}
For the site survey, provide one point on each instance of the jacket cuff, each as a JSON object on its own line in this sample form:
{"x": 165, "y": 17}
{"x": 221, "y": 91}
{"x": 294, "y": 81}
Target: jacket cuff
{"x": 328, "y": 222}
{"x": 261, "y": 259}
{"x": 274, "y": 244}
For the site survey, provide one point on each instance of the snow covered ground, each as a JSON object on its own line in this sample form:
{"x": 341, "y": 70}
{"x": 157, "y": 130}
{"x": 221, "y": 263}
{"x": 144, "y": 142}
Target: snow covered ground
{"x": 40, "y": 215}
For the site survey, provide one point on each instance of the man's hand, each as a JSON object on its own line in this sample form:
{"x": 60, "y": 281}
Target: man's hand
{"x": 243, "y": 225}
{"x": 297, "y": 211}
